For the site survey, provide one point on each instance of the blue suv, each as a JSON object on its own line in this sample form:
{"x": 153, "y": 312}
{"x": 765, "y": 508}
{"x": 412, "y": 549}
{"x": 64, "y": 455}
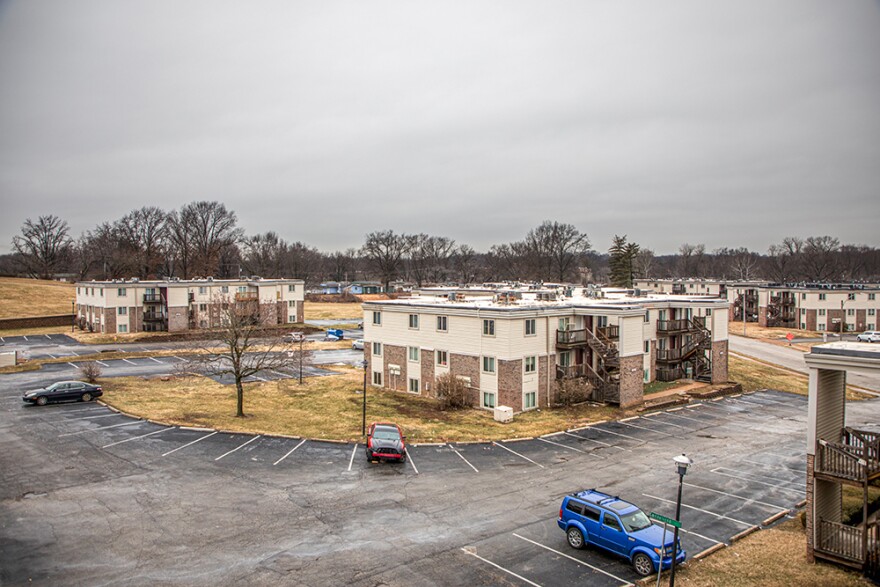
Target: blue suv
{"x": 593, "y": 517}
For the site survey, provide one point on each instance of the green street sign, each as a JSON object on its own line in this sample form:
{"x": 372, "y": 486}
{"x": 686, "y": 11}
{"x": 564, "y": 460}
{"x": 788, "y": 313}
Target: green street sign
{"x": 665, "y": 520}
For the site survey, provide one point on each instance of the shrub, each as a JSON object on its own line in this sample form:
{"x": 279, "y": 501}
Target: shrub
{"x": 452, "y": 392}
{"x": 91, "y": 371}
{"x": 572, "y": 391}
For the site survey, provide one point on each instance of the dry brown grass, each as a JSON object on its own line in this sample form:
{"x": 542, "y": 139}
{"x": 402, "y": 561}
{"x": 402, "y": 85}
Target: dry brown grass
{"x": 753, "y": 375}
{"x": 325, "y": 407}
{"x": 21, "y": 298}
{"x": 775, "y": 557}
{"x": 332, "y": 311}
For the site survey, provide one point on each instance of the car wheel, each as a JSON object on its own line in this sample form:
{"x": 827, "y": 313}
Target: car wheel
{"x": 86, "y": 397}
{"x": 642, "y": 564}
{"x": 42, "y": 401}
{"x": 575, "y": 538}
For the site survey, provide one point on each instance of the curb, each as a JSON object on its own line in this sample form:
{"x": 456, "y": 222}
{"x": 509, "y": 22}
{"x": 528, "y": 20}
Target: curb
{"x": 744, "y": 533}
{"x": 801, "y": 503}
{"x": 197, "y": 429}
{"x": 708, "y": 551}
{"x": 512, "y": 439}
{"x": 775, "y": 517}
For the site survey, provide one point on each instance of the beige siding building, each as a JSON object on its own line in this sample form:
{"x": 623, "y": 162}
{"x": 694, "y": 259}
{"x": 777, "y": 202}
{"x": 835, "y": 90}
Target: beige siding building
{"x": 121, "y": 306}
{"x": 512, "y": 347}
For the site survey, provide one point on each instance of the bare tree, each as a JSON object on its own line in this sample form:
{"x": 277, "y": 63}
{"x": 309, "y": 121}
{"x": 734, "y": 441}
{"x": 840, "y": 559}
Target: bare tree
{"x": 452, "y": 392}
{"x": 643, "y": 263}
{"x": 428, "y": 258}
{"x": 211, "y": 229}
{"x": 464, "y": 260}
{"x": 819, "y": 258}
{"x": 109, "y": 251}
{"x": 43, "y": 246}
{"x": 385, "y": 250}
{"x": 557, "y": 248}
{"x": 181, "y": 246}
{"x": 689, "y": 262}
{"x": 302, "y": 261}
{"x": 91, "y": 371}
{"x": 145, "y": 231}
{"x": 784, "y": 260}
{"x": 243, "y": 348}
{"x": 264, "y": 254}
{"x": 341, "y": 265}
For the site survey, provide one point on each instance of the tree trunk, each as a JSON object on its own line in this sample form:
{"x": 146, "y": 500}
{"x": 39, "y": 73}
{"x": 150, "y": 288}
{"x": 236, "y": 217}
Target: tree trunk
{"x": 240, "y": 403}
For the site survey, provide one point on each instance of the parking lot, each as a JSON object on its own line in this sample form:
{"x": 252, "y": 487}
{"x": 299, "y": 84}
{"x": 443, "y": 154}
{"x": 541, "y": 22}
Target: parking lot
{"x": 260, "y": 508}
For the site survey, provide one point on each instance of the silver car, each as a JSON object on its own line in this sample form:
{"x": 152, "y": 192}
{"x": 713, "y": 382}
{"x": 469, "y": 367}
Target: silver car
{"x": 358, "y": 344}
{"x": 869, "y": 336}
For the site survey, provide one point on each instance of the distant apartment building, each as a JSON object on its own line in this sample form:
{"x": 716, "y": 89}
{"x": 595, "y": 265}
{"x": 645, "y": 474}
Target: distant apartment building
{"x": 121, "y": 306}
{"x": 512, "y": 346}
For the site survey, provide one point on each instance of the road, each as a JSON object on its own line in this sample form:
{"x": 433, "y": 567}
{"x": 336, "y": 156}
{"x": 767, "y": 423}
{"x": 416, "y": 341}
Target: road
{"x": 793, "y": 359}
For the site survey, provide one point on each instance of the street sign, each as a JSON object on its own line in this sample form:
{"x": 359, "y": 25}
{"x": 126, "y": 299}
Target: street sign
{"x": 789, "y": 336}
{"x": 665, "y": 520}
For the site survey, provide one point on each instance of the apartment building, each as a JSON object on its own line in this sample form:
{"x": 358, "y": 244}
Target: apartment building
{"x": 512, "y": 346}
{"x": 174, "y": 305}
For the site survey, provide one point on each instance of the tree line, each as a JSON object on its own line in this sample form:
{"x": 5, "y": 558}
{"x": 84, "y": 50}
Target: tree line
{"x": 203, "y": 238}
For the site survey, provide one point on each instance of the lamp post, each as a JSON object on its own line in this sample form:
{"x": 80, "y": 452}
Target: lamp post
{"x": 364, "y": 402}
{"x": 73, "y": 311}
{"x": 301, "y": 341}
{"x": 681, "y": 463}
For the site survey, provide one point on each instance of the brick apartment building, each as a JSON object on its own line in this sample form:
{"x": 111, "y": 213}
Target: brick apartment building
{"x": 173, "y": 305}
{"x": 511, "y": 346}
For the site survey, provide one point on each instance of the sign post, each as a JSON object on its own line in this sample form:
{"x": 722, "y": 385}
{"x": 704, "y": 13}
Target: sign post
{"x": 666, "y": 522}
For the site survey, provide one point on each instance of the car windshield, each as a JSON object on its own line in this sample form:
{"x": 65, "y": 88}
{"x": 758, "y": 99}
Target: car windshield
{"x": 635, "y": 521}
{"x": 386, "y": 434}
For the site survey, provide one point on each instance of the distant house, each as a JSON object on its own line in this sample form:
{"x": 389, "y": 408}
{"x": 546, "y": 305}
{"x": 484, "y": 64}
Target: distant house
{"x": 330, "y": 287}
{"x": 364, "y": 287}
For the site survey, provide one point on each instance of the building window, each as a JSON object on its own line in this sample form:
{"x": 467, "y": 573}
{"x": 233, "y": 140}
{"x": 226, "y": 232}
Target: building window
{"x": 803, "y": 325}
{"x": 203, "y": 290}
{"x": 122, "y": 328}
{"x": 851, "y": 297}
{"x": 821, "y": 297}
{"x": 646, "y": 375}
{"x": 821, "y": 311}
{"x": 441, "y": 323}
{"x": 803, "y": 311}
{"x": 413, "y": 385}
{"x": 291, "y": 317}
{"x": 488, "y": 328}
{"x": 224, "y": 289}
{"x": 709, "y": 312}
{"x": 122, "y": 310}
{"x": 377, "y": 318}
{"x": 820, "y": 326}
{"x": 530, "y": 364}
{"x": 565, "y": 359}
{"x": 377, "y": 378}
{"x": 101, "y": 291}
{"x": 442, "y": 359}
{"x": 291, "y": 303}
{"x": 850, "y": 312}
{"x": 565, "y": 324}
{"x": 529, "y": 400}
{"x": 531, "y": 326}
{"x": 647, "y": 316}
{"x": 488, "y": 364}
{"x": 377, "y": 349}
{"x": 488, "y": 399}
{"x": 291, "y": 288}
{"x": 121, "y": 292}
{"x": 871, "y": 297}
{"x": 414, "y": 354}
{"x": 414, "y": 321}
{"x": 803, "y": 296}
{"x": 242, "y": 289}
{"x": 871, "y": 311}
{"x": 647, "y": 346}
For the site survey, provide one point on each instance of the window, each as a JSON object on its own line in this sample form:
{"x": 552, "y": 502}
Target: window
{"x": 576, "y": 507}
{"x": 488, "y": 328}
{"x": 803, "y": 325}
{"x": 377, "y": 349}
{"x": 441, "y": 323}
{"x": 414, "y": 354}
{"x": 291, "y": 288}
{"x": 488, "y": 364}
{"x": 591, "y": 513}
{"x": 224, "y": 289}
{"x": 77, "y": 291}
{"x": 442, "y": 359}
{"x": 850, "y": 312}
{"x": 377, "y": 378}
{"x": 564, "y": 324}
{"x": 121, "y": 292}
{"x": 709, "y": 312}
{"x": 203, "y": 290}
{"x": 377, "y": 318}
{"x": 122, "y": 328}
{"x": 291, "y": 317}
{"x": 871, "y": 297}
{"x": 242, "y": 289}
{"x": 647, "y": 316}
{"x": 803, "y": 296}
{"x": 803, "y": 311}
{"x": 820, "y": 326}
{"x": 531, "y": 327}
{"x": 647, "y": 346}
{"x": 851, "y": 297}
{"x": 611, "y": 522}
{"x": 122, "y": 310}
{"x": 529, "y": 400}
{"x": 821, "y": 311}
{"x": 291, "y": 303}
{"x": 821, "y": 297}
{"x": 871, "y": 311}
{"x": 414, "y": 321}
{"x": 488, "y": 399}
{"x": 101, "y": 291}
{"x": 413, "y": 385}
{"x": 565, "y": 359}
{"x": 530, "y": 364}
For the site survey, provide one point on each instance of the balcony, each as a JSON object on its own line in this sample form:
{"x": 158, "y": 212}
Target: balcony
{"x": 855, "y": 459}
{"x": 571, "y": 338}
{"x": 247, "y": 296}
{"x": 154, "y": 316}
{"x": 609, "y": 332}
{"x": 153, "y": 298}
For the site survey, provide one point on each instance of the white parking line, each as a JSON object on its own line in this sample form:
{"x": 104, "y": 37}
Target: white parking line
{"x": 559, "y": 444}
{"x": 409, "y": 458}
{"x": 651, "y": 417}
{"x": 74, "y": 353}
{"x": 47, "y": 336}
{"x": 259, "y": 378}
{"x": 795, "y": 469}
{"x": 701, "y": 536}
{"x": 86, "y": 418}
{"x": 24, "y": 337}
{"x": 189, "y": 443}
{"x": 74, "y": 366}
{"x": 53, "y": 356}
{"x": 499, "y": 567}
{"x": 353, "y": 450}
{"x": 745, "y": 499}
{"x": 301, "y": 442}
{"x": 102, "y": 363}
{"x": 623, "y": 435}
{"x": 182, "y": 360}
{"x": 750, "y": 480}
{"x": 599, "y": 442}
{"x": 238, "y": 447}
{"x": 578, "y": 561}
{"x": 157, "y": 360}
{"x": 129, "y": 362}
{"x": 676, "y": 415}
{"x": 464, "y": 459}
{"x": 498, "y": 444}
{"x": 137, "y": 437}
{"x": 644, "y": 428}
{"x": 691, "y": 507}
{"x": 103, "y": 428}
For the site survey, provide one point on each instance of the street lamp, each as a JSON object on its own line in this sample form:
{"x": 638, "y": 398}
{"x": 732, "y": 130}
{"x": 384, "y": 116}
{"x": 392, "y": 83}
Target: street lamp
{"x": 73, "y": 311}
{"x": 681, "y": 463}
{"x": 301, "y": 341}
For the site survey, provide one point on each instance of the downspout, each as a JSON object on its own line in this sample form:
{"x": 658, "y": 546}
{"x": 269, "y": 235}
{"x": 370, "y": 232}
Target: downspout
{"x": 550, "y": 368}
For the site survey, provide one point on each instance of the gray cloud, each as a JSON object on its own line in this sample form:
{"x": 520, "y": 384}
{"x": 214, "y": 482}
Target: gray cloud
{"x": 730, "y": 124}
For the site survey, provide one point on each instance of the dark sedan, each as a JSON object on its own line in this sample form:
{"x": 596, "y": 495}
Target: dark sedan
{"x": 63, "y": 391}
{"x": 385, "y": 441}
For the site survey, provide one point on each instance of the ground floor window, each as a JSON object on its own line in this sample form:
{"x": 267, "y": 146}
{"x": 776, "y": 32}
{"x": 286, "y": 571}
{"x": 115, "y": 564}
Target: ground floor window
{"x": 413, "y": 385}
{"x": 291, "y": 318}
{"x": 646, "y": 375}
{"x": 123, "y": 328}
{"x": 377, "y": 378}
{"x": 442, "y": 359}
{"x": 820, "y": 326}
{"x": 488, "y": 399}
{"x": 803, "y": 325}
{"x": 529, "y": 399}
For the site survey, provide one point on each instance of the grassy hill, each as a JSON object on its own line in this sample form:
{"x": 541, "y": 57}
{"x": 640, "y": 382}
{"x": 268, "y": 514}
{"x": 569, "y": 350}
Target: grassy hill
{"x": 34, "y": 297}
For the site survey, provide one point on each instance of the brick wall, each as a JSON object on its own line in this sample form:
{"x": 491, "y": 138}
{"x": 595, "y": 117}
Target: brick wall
{"x": 545, "y": 381}
{"x": 36, "y": 321}
{"x": 833, "y": 315}
{"x": 467, "y": 366}
{"x": 427, "y": 373}
{"x": 719, "y": 361}
{"x": 510, "y": 384}
{"x": 178, "y": 318}
{"x": 861, "y": 318}
{"x": 762, "y": 316}
{"x": 300, "y": 312}
{"x": 632, "y": 389}
{"x": 810, "y": 320}
{"x": 395, "y": 355}
{"x": 110, "y": 320}
{"x": 652, "y": 369}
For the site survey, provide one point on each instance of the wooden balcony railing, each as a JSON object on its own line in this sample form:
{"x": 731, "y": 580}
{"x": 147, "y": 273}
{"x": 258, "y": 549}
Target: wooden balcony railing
{"x": 247, "y": 296}
{"x": 842, "y": 541}
{"x": 571, "y": 337}
{"x": 855, "y": 458}
{"x": 152, "y": 298}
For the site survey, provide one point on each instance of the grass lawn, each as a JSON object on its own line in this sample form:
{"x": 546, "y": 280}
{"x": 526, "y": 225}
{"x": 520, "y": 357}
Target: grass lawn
{"x": 754, "y": 375}
{"x": 21, "y": 298}
{"x": 326, "y": 407}
{"x": 333, "y": 311}
{"x": 775, "y": 557}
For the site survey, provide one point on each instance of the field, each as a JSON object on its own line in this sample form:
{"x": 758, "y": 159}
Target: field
{"x": 20, "y": 298}
{"x": 333, "y": 311}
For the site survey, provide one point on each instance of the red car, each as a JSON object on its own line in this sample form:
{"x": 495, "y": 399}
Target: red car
{"x": 385, "y": 441}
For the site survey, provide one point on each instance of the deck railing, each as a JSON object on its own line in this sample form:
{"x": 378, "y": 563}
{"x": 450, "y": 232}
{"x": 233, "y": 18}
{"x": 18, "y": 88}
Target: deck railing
{"x": 841, "y": 541}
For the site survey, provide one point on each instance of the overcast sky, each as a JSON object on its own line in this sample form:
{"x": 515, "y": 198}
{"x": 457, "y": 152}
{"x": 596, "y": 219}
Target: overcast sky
{"x": 723, "y": 123}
